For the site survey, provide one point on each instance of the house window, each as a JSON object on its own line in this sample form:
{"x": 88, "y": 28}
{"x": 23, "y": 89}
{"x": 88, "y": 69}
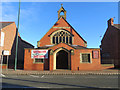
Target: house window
{"x": 38, "y": 60}
{"x": 62, "y": 36}
{"x": 85, "y": 58}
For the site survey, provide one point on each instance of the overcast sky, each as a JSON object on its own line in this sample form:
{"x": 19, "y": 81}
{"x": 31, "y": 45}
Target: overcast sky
{"x": 89, "y": 19}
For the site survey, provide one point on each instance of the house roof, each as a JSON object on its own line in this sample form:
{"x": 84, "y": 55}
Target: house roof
{"x": 117, "y": 26}
{"x": 44, "y": 47}
{"x": 4, "y": 24}
{"x": 10, "y": 34}
{"x": 26, "y": 41}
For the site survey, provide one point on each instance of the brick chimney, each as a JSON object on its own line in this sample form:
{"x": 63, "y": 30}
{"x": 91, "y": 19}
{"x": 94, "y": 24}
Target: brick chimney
{"x": 110, "y": 22}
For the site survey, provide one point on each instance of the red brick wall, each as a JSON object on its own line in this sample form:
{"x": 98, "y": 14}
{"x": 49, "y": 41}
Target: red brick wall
{"x": 28, "y": 62}
{"x": 46, "y": 40}
{"x": 51, "y": 63}
{"x": 75, "y": 61}
{"x": 4, "y": 66}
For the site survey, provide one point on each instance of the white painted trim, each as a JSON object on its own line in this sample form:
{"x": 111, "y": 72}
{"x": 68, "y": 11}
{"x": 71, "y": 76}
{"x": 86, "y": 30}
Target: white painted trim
{"x": 54, "y": 58}
{"x": 85, "y": 53}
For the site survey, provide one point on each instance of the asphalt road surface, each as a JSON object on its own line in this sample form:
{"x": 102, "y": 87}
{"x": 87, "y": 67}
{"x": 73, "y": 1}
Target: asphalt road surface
{"x": 60, "y": 81}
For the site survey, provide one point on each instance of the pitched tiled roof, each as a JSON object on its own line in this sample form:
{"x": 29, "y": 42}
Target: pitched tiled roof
{"x": 26, "y": 41}
{"x": 117, "y": 26}
{"x": 74, "y": 46}
{"x": 4, "y": 24}
{"x": 78, "y": 47}
{"x": 44, "y": 47}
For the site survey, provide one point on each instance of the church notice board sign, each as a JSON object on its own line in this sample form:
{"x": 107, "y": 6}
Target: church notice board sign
{"x": 95, "y": 54}
{"x": 42, "y": 54}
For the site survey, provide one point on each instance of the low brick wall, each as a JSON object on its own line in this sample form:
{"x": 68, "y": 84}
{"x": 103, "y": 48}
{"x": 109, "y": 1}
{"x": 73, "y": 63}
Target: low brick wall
{"x": 4, "y": 66}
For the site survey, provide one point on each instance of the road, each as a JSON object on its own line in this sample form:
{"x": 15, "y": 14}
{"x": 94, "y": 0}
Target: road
{"x": 60, "y": 81}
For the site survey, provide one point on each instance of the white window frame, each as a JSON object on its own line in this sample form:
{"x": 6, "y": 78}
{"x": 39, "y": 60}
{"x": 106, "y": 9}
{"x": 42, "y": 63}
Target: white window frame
{"x": 62, "y": 39}
{"x": 38, "y": 62}
{"x": 85, "y": 53}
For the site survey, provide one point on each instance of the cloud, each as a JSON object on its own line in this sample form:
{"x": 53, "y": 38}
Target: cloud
{"x": 8, "y": 12}
{"x": 26, "y": 12}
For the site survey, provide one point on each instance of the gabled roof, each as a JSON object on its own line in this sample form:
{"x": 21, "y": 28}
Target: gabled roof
{"x": 26, "y": 41}
{"x": 70, "y": 26}
{"x": 48, "y": 47}
{"x": 117, "y": 26}
{"x": 114, "y": 25}
{"x": 4, "y": 24}
{"x": 73, "y": 46}
{"x": 78, "y": 47}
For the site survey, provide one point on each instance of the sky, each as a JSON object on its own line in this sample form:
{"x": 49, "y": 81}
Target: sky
{"x": 89, "y": 19}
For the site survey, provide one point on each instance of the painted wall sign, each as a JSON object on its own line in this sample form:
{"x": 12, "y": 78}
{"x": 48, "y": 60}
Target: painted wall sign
{"x": 43, "y": 54}
{"x": 95, "y": 54}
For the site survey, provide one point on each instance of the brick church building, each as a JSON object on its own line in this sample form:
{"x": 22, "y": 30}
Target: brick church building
{"x": 62, "y": 48}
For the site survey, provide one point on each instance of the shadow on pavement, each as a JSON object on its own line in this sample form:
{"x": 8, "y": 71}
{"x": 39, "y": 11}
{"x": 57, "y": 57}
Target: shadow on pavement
{"x": 8, "y": 85}
{"x": 31, "y": 88}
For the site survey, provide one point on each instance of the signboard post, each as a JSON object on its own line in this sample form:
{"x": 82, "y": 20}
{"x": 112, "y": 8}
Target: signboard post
{"x": 1, "y": 61}
{"x": 43, "y": 54}
{"x": 7, "y": 61}
{"x": 6, "y": 53}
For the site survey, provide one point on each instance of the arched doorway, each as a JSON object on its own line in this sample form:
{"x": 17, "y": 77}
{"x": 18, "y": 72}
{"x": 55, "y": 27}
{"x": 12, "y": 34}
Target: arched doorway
{"x": 62, "y": 60}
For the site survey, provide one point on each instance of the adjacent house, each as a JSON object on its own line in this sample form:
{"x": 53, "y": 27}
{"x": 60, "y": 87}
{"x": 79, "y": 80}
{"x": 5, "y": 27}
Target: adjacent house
{"x": 62, "y": 48}
{"x": 110, "y": 44}
{"x": 8, "y": 32}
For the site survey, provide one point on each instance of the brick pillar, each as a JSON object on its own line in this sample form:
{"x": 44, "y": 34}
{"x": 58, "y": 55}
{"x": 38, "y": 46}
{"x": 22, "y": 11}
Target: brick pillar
{"x": 51, "y": 63}
{"x": 72, "y": 59}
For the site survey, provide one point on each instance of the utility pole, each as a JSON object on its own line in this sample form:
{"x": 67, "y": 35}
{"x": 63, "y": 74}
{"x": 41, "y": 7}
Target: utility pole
{"x": 17, "y": 37}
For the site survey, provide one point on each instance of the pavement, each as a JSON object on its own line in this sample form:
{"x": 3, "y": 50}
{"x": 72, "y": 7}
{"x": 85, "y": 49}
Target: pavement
{"x": 72, "y": 82}
{"x": 61, "y": 72}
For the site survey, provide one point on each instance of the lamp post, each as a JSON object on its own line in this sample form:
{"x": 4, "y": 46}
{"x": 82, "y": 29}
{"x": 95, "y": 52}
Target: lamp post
{"x": 17, "y": 37}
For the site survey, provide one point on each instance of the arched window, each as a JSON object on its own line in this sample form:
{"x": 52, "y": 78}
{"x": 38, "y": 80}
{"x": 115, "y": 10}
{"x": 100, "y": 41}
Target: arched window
{"x": 61, "y": 36}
